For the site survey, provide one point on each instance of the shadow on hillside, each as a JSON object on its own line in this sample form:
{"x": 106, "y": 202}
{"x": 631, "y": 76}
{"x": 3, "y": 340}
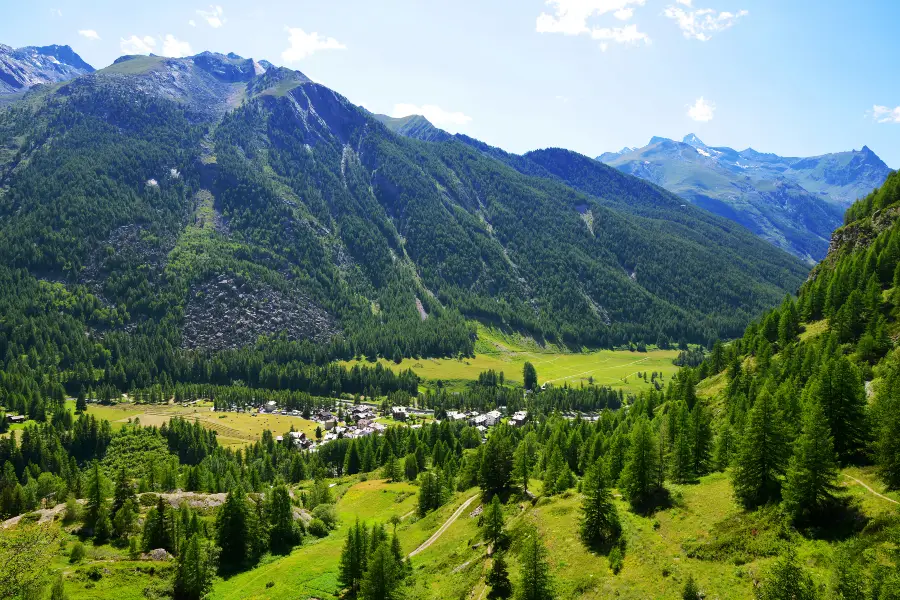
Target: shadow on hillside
{"x": 662, "y": 499}
{"x": 843, "y": 519}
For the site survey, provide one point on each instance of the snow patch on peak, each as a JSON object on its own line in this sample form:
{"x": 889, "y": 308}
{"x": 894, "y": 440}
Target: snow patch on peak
{"x": 703, "y": 152}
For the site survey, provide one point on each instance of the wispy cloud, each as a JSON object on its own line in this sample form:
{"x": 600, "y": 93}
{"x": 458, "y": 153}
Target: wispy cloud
{"x": 304, "y": 44}
{"x": 175, "y": 48}
{"x": 89, "y": 34}
{"x": 449, "y": 120}
{"x": 886, "y": 114}
{"x": 701, "y": 111}
{"x": 215, "y": 16}
{"x": 701, "y": 23}
{"x": 137, "y": 45}
{"x": 192, "y": 23}
{"x": 578, "y": 17}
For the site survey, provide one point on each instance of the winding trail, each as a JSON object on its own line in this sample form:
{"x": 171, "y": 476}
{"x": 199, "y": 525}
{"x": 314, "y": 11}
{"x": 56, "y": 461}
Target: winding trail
{"x": 883, "y": 497}
{"x": 444, "y": 527}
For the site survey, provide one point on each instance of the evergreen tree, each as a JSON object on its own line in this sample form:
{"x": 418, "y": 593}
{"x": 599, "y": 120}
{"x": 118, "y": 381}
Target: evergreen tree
{"x": 599, "y": 518}
{"x": 761, "y": 456}
{"x": 157, "y": 533}
{"x": 123, "y": 491}
{"x": 233, "y": 531}
{"x": 498, "y": 578}
{"x": 494, "y": 522}
{"x": 848, "y": 582}
{"x": 58, "y": 590}
{"x": 524, "y": 458}
{"x": 411, "y": 467}
{"x": 787, "y": 580}
{"x": 690, "y": 591}
{"x": 886, "y": 419}
{"x": 843, "y": 399}
{"x": 283, "y": 532}
{"x": 383, "y": 575}
{"x": 812, "y": 471}
{"x": 194, "y": 570}
{"x": 683, "y": 450}
{"x": 125, "y": 519}
{"x": 535, "y": 580}
{"x": 496, "y": 463}
{"x": 354, "y": 558}
{"x": 640, "y": 476}
{"x": 529, "y": 377}
{"x": 96, "y": 493}
{"x": 701, "y": 438}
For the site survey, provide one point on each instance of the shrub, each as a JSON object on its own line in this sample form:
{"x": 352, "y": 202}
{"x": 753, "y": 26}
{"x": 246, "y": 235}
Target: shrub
{"x": 77, "y": 553}
{"x": 326, "y": 514}
{"x": 616, "y": 560}
{"x": 318, "y": 528}
{"x": 148, "y": 499}
{"x": 94, "y": 573}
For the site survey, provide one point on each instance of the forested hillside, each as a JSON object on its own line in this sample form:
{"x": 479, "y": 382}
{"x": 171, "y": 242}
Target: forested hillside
{"x": 167, "y": 219}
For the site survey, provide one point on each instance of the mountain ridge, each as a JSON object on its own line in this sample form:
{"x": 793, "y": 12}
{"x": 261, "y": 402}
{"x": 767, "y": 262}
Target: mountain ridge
{"x": 792, "y": 202}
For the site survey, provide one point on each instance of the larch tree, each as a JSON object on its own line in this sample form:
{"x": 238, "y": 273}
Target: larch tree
{"x": 762, "y": 454}
{"x": 599, "y": 518}
{"x": 812, "y": 471}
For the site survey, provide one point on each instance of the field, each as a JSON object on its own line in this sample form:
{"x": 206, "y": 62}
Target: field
{"x": 234, "y": 429}
{"x": 613, "y": 368}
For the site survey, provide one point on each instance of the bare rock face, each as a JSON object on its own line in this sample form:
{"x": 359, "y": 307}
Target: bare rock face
{"x": 228, "y": 313}
{"x": 23, "y": 68}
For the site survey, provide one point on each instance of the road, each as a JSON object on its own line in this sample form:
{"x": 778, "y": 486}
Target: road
{"x": 444, "y": 527}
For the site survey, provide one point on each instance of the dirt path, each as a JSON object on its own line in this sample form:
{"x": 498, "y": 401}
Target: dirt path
{"x": 444, "y": 527}
{"x": 883, "y": 497}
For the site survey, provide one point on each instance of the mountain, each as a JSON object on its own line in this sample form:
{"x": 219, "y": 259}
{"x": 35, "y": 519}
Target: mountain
{"x": 161, "y": 215}
{"x": 24, "y": 68}
{"x": 794, "y": 203}
{"x": 414, "y": 126}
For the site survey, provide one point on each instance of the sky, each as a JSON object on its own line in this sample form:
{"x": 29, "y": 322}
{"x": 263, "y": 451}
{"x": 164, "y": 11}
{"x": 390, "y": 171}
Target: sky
{"x": 793, "y": 77}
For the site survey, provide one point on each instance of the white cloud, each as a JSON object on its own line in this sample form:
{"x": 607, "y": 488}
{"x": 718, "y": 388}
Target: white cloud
{"x": 55, "y": 12}
{"x": 700, "y": 24}
{"x": 215, "y": 16}
{"x": 620, "y": 35}
{"x": 192, "y": 23}
{"x": 451, "y": 121}
{"x": 89, "y": 34}
{"x": 304, "y": 44}
{"x": 886, "y": 114}
{"x": 137, "y": 45}
{"x": 701, "y": 110}
{"x": 175, "y": 48}
{"x": 571, "y": 17}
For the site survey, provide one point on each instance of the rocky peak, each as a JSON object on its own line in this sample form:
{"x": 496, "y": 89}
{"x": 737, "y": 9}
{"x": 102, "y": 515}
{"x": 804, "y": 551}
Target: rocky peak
{"x": 23, "y": 68}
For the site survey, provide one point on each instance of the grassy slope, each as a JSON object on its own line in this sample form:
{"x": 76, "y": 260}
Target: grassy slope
{"x": 233, "y": 428}
{"x": 613, "y": 368}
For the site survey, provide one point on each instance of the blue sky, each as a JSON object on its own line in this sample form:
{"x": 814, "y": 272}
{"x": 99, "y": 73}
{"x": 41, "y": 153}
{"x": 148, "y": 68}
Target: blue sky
{"x": 795, "y": 77}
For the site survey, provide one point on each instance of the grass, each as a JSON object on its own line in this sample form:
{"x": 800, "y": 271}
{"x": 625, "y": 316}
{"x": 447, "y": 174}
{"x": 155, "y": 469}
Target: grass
{"x": 613, "y": 368}
{"x": 234, "y": 429}
{"x": 135, "y": 66}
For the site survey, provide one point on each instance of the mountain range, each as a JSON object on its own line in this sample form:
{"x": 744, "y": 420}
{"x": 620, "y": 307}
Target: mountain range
{"x": 213, "y": 202}
{"x": 23, "y": 68}
{"x": 794, "y": 203}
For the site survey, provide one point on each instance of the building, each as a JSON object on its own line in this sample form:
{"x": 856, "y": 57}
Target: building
{"x": 456, "y": 416}
{"x": 519, "y": 418}
{"x": 493, "y": 418}
{"x": 478, "y": 421}
{"x": 16, "y": 418}
{"x": 399, "y": 413}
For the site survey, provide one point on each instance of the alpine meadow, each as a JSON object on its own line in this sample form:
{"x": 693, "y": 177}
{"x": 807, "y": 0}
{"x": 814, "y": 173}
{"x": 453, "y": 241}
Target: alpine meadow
{"x": 262, "y": 341}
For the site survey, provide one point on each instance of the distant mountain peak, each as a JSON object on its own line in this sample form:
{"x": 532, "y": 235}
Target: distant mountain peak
{"x": 24, "y": 68}
{"x": 692, "y": 140}
{"x": 656, "y": 140}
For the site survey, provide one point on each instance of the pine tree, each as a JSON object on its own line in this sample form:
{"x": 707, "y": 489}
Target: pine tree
{"x": 683, "y": 449}
{"x": 535, "y": 579}
{"x": 640, "y": 477}
{"x": 524, "y": 458}
{"x": 283, "y": 532}
{"x": 494, "y": 522}
{"x": 194, "y": 570}
{"x": 96, "y": 494}
{"x": 354, "y": 558}
{"x": 690, "y": 591}
{"x": 848, "y": 582}
{"x": 812, "y": 470}
{"x": 498, "y": 578}
{"x": 843, "y": 399}
{"x": 156, "y": 528}
{"x": 760, "y": 460}
{"x": 383, "y": 575}
{"x": 233, "y": 531}
{"x": 352, "y": 460}
{"x": 123, "y": 491}
{"x": 599, "y": 518}
{"x": 701, "y": 438}
{"x": 787, "y": 580}
{"x": 552, "y": 471}
{"x": 886, "y": 417}
{"x": 529, "y": 376}
{"x": 496, "y": 463}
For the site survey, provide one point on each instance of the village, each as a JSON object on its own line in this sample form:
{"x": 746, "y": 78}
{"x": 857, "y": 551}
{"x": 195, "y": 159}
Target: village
{"x": 361, "y": 420}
